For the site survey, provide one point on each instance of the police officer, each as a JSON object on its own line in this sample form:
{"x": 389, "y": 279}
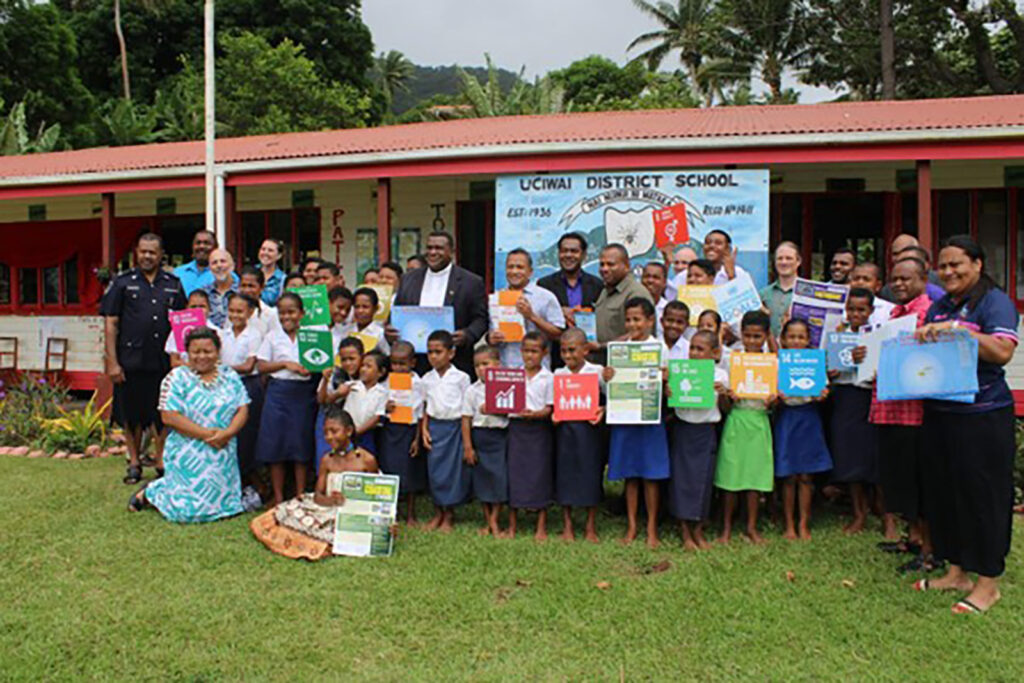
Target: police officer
{"x": 135, "y": 310}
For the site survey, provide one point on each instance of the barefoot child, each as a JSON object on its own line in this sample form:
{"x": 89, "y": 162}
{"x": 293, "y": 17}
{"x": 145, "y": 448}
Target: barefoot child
{"x": 340, "y": 299}
{"x": 289, "y": 404}
{"x": 335, "y": 386}
{"x": 367, "y": 399}
{"x": 240, "y": 342}
{"x": 485, "y": 443}
{"x": 675, "y": 321}
{"x": 800, "y": 450}
{"x": 639, "y": 452}
{"x": 580, "y": 447}
{"x": 364, "y": 306}
{"x": 745, "y": 452}
{"x": 441, "y": 430}
{"x": 531, "y": 463}
{"x": 694, "y": 450}
{"x": 400, "y": 443}
{"x": 711, "y": 321}
{"x": 303, "y": 527}
{"x": 854, "y": 439}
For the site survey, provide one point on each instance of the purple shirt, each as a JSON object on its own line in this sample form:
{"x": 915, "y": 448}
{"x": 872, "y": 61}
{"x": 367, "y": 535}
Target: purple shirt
{"x": 574, "y": 294}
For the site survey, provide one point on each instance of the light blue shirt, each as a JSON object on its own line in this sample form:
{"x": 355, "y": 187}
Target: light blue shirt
{"x": 192, "y": 276}
{"x": 546, "y": 306}
{"x": 272, "y": 287}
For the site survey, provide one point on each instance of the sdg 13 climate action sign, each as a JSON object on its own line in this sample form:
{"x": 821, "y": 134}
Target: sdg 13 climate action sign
{"x": 645, "y": 211}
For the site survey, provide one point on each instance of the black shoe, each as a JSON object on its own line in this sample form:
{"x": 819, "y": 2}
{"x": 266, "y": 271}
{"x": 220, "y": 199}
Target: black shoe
{"x": 921, "y": 563}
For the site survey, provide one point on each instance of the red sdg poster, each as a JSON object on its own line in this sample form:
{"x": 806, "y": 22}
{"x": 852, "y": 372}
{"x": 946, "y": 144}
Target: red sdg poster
{"x": 670, "y": 226}
{"x": 504, "y": 391}
{"x": 577, "y": 397}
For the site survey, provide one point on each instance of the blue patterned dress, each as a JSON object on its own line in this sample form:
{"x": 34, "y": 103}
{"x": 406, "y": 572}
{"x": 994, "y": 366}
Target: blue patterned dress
{"x": 200, "y": 483}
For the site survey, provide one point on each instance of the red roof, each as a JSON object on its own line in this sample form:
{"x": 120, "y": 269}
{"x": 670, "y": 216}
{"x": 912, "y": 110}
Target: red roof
{"x": 723, "y": 122}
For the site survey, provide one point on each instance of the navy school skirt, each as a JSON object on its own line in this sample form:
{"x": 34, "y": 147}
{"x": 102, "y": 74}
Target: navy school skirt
{"x": 531, "y": 464}
{"x": 394, "y": 442}
{"x": 581, "y": 452}
{"x": 854, "y": 440}
{"x": 450, "y": 478}
{"x": 800, "y": 441}
{"x": 286, "y": 424}
{"x": 247, "y": 437}
{"x": 490, "y": 474}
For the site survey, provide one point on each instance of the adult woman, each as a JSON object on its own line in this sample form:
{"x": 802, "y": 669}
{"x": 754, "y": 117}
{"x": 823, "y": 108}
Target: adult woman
{"x": 273, "y": 277}
{"x": 968, "y": 487}
{"x": 205, "y": 405}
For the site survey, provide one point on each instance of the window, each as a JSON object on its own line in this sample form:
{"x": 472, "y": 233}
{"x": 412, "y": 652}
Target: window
{"x": 992, "y": 234}
{"x": 1020, "y": 245}
{"x": 5, "y": 285}
{"x": 71, "y": 281}
{"x": 954, "y": 213}
{"x": 405, "y": 242}
{"x": 52, "y": 286}
{"x": 298, "y": 229}
{"x": 366, "y": 251}
{"x": 28, "y": 279}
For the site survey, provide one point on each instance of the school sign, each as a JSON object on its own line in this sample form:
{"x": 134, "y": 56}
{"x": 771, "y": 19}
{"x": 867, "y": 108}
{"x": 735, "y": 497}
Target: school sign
{"x": 637, "y": 209}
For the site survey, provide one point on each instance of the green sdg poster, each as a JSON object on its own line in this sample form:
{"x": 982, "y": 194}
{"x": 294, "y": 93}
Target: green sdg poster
{"x": 634, "y": 393}
{"x": 691, "y": 383}
{"x": 314, "y": 300}
{"x": 315, "y": 352}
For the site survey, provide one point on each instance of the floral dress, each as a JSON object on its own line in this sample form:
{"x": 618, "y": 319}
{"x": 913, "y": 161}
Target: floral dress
{"x": 200, "y": 482}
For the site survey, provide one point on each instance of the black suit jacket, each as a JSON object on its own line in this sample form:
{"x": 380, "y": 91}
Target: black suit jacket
{"x": 592, "y": 287}
{"x": 466, "y": 295}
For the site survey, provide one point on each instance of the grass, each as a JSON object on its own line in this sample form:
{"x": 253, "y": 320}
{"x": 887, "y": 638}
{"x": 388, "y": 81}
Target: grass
{"x": 90, "y": 591}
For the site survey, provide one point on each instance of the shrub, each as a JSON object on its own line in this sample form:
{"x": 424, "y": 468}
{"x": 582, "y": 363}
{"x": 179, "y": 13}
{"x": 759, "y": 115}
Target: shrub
{"x": 24, "y": 404}
{"x": 74, "y": 430}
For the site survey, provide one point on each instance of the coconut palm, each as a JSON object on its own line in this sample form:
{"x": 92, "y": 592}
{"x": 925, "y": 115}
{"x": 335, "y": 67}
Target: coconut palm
{"x": 767, "y": 36}
{"x": 392, "y": 71}
{"x": 692, "y": 27}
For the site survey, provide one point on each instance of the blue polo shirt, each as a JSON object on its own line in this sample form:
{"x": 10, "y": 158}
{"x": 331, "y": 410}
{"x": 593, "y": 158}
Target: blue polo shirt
{"x": 994, "y": 315}
{"x": 192, "y": 276}
{"x": 272, "y": 287}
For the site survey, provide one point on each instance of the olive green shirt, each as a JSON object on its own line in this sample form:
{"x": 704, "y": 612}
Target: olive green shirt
{"x": 610, "y": 311}
{"x": 777, "y": 301}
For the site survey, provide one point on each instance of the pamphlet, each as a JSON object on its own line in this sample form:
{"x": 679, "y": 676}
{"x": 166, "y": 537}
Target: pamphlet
{"x": 362, "y": 526}
{"x": 634, "y": 393}
{"x": 802, "y": 372}
{"x": 314, "y": 301}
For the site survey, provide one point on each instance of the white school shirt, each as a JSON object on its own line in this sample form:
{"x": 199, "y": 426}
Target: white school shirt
{"x": 587, "y": 369}
{"x": 277, "y": 348}
{"x": 544, "y": 304}
{"x": 675, "y": 281}
{"x": 881, "y": 313}
{"x": 170, "y": 347}
{"x": 721, "y": 277}
{"x": 726, "y": 355}
{"x": 435, "y": 286}
{"x": 540, "y": 390}
{"x": 265, "y": 319}
{"x": 679, "y": 350}
{"x": 473, "y": 406}
{"x": 705, "y": 415}
{"x": 445, "y": 394}
{"x": 851, "y": 377}
{"x": 418, "y": 396}
{"x": 374, "y": 329}
{"x": 659, "y": 310}
{"x": 362, "y": 403}
{"x": 235, "y": 350}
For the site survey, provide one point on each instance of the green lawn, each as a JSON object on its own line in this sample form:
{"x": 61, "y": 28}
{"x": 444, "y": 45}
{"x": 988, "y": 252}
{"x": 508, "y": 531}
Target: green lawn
{"x": 89, "y": 591}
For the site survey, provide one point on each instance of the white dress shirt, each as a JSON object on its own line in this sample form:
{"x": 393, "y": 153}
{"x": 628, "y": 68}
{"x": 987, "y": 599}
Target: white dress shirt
{"x": 235, "y": 350}
{"x": 545, "y": 304}
{"x": 679, "y": 350}
{"x": 435, "y": 286}
{"x": 721, "y": 277}
{"x": 445, "y": 393}
{"x": 473, "y": 406}
{"x": 659, "y": 310}
{"x": 362, "y": 403}
{"x": 278, "y": 348}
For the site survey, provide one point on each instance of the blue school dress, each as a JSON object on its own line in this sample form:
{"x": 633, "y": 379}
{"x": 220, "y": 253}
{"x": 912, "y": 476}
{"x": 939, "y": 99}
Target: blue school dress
{"x": 638, "y": 452}
{"x": 800, "y": 439}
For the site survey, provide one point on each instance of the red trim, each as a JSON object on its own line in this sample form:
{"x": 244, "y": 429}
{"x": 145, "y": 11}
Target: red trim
{"x": 1013, "y": 248}
{"x": 99, "y": 187}
{"x": 81, "y": 380}
{"x": 1018, "y": 403}
{"x": 926, "y": 218}
{"x": 489, "y": 245}
{"x": 383, "y": 220}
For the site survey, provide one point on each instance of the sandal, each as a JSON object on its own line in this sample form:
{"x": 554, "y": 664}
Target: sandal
{"x": 159, "y": 472}
{"x": 134, "y": 475}
{"x": 921, "y": 585}
{"x": 138, "y": 502}
{"x": 921, "y": 563}
{"x": 965, "y": 606}
{"x": 901, "y": 546}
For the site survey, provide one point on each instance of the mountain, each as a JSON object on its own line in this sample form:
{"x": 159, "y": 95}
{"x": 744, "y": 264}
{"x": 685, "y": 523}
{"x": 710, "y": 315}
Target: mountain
{"x": 428, "y": 81}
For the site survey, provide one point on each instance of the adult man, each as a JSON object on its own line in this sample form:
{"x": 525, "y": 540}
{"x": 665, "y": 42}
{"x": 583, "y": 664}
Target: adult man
{"x": 778, "y": 295}
{"x": 222, "y": 267}
{"x": 654, "y": 278}
{"x": 329, "y": 275}
{"x": 415, "y": 261}
{"x": 719, "y": 250}
{"x": 681, "y": 260}
{"x": 196, "y": 273}
{"x": 572, "y": 286}
{"x": 442, "y": 283}
{"x": 904, "y": 247}
{"x": 619, "y": 287}
{"x": 841, "y": 265}
{"x": 538, "y": 306}
{"x": 273, "y": 277}
{"x": 136, "y": 326}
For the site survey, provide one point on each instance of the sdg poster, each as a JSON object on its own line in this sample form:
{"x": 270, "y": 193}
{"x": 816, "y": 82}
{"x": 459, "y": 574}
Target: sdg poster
{"x": 533, "y": 211}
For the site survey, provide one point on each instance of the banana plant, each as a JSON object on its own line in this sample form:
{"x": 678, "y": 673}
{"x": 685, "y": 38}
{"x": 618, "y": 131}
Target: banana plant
{"x": 15, "y": 138}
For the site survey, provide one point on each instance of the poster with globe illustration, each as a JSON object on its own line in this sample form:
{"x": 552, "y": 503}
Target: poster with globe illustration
{"x": 645, "y": 211}
{"x": 944, "y": 369}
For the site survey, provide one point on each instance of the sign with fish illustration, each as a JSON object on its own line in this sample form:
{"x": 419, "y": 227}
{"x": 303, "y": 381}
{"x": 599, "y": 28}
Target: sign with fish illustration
{"x": 802, "y": 372}
{"x": 644, "y": 211}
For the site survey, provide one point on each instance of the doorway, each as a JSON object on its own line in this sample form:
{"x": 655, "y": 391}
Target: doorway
{"x": 474, "y": 238}
{"x": 856, "y": 221}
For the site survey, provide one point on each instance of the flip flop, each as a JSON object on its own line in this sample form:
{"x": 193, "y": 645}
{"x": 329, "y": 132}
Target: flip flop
{"x": 965, "y": 606}
{"x": 138, "y": 502}
{"x": 921, "y": 585}
{"x": 134, "y": 475}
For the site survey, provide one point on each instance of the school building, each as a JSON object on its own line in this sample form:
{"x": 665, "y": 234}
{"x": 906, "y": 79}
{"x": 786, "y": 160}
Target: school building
{"x": 857, "y": 173}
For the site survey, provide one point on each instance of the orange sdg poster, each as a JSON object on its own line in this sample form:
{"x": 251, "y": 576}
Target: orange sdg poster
{"x": 753, "y": 375}
{"x": 400, "y": 391}
{"x": 506, "y": 318}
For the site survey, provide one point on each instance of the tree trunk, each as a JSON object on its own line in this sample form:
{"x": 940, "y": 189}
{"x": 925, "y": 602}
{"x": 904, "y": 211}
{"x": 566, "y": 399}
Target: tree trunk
{"x": 888, "y": 40}
{"x": 126, "y": 84}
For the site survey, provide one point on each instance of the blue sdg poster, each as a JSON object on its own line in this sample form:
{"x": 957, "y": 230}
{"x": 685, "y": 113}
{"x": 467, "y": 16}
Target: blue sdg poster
{"x": 802, "y": 372}
{"x": 629, "y": 208}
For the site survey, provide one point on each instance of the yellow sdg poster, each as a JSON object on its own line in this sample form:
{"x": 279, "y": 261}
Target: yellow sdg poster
{"x": 384, "y": 293}
{"x": 698, "y": 298}
{"x": 753, "y": 375}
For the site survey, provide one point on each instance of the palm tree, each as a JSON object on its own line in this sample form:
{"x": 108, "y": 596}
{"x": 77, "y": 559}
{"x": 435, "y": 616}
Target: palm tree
{"x": 392, "y": 70}
{"x": 767, "y": 36}
{"x": 690, "y": 26}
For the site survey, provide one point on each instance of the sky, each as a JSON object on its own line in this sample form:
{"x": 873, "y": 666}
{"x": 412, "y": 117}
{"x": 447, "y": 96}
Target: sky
{"x": 539, "y": 34}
